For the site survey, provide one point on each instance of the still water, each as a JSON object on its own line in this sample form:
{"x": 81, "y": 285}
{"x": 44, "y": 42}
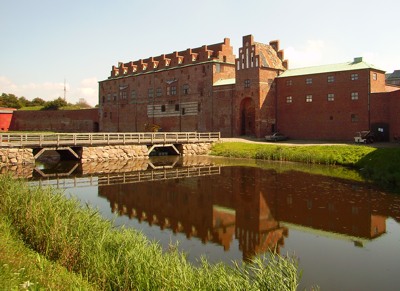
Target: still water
{"x": 344, "y": 233}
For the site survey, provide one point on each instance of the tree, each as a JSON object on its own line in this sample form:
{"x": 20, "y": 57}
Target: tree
{"x": 82, "y": 103}
{"x": 23, "y": 102}
{"x": 55, "y": 104}
{"x": 9, "y": 101}
{"x": 38, "y": 102}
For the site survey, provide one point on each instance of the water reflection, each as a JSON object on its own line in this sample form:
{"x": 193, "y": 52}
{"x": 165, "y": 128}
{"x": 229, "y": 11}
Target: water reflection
{"x": 249, "y": 211}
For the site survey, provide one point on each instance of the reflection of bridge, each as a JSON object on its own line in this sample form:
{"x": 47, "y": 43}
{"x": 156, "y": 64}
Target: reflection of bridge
{"x": 126, "y": 177}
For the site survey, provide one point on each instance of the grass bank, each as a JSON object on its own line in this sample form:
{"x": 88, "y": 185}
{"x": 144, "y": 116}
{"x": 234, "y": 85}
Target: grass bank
{"x": 380, "y": 165}
{"x": 61, "y": 238}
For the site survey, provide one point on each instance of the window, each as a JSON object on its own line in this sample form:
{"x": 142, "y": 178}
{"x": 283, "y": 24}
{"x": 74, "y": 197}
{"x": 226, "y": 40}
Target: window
{"x": 151, "y": 93}
{"x": 162, "y": 108}
{"x": 158, "y": 92}
{"x": 354, "y": 96}
{"x": 309, "y": 81}
{"x": 185, "y": 89}
{"x": 217, "y": 68}
{"x": 289, "y": 99}
{"x": 199, "y": 107}
{"x": 331, "y": 79}
{"x": 183, "y": 111}
{"x": 115, "y": 97}
{"x": 354, "y": 77}
{"x": 176, "y": 107}
{"x": 309, "y": 98}
{"x": 122, "y": 95}
{"x": 108, "y": 97}
{"x": 354, "y": 118}
{"x": 374, "y": 76}
{"x": 105, "y": 114}
{"x": 247, "y": 83}
{"x": 289, "y": 83}
{"x": 133, "y": 94}
{"x": 331, "y": 97}
{"x": 173, "y": 90}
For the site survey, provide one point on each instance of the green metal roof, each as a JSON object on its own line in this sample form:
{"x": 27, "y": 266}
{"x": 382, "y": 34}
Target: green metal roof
{"x": 357, "y": 64}
{"x": 222, "y": 82}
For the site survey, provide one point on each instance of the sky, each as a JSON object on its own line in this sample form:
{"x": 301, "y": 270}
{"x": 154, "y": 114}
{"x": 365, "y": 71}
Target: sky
{"x": 46, "y": 44}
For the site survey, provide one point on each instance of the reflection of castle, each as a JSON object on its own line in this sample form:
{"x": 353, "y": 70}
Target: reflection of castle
{"x": 251, "y": 204}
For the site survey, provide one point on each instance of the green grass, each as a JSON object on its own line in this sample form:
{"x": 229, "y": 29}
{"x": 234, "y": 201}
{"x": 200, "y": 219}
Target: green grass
{"x": 345, "y": 155}
{"x": 74, "y": 238}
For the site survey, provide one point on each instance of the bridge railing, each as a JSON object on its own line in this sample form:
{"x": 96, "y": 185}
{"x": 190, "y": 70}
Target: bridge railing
{"x": 106, "y": 138}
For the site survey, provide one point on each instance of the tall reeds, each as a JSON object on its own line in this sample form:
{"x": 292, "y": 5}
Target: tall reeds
{"x": 123, "y": 259}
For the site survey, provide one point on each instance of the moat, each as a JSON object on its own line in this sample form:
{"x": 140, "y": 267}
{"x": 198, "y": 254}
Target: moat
{"x": 344, "y": 232}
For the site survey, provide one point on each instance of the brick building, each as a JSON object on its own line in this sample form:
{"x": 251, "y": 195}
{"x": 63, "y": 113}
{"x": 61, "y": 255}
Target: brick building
{"x": 209, "y": 89}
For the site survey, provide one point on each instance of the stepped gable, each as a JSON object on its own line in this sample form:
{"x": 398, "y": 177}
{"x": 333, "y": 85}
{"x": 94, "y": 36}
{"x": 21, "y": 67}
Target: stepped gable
{"x": 216, "y": 52}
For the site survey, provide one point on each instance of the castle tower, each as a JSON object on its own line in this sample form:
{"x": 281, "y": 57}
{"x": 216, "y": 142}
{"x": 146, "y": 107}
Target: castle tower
{"x": 256, "y": 67}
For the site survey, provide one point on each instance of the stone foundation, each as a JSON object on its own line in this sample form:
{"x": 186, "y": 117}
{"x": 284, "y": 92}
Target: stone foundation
{"x": 119, "y": 152}
{"x": 14, "y": 156}
{"x": 194, "y": 149}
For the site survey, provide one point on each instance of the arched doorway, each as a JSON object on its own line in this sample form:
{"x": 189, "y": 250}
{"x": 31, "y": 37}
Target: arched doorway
{"x": 247, "y": 117}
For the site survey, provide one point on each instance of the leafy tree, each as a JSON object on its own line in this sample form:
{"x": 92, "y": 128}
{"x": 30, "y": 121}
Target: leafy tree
{"x": 38, "y": 102}
{"x": 9, "y": 101}
{"x": 23, "y": 102}
{"x": 55, "y": 104}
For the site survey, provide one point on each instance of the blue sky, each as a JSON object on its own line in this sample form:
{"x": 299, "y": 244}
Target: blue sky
{"x": 45, "y": 42}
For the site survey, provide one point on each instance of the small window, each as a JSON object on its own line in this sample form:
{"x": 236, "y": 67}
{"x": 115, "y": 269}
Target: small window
{"x": 289, "y": 99}
{"x": 354, "y": 77}
{"x": 151, "y": 93}
{"x": 331, "y": 79}
{"x": 354, "y": 96}
{"x": 199, "y": 107}
{"x": 108, "y": 97}
{"x": 309, "y": 98}
{"x": 173, "y": 90}
{"x": 309, "y": 81}
{"x": 115, "y": 97}
{"x": 289, "y": 83}
{"x": 158, "y": 92}
{"x": 176, "y": 107}
{"x": 183, "y": 111}
{"x": 185, "y": 89}
{"x": 331, "y": 97}
{"x": 217, "y": 68}
{"x": 247, "y": 83}
{"x": 105, "y": 114}
{"x": 162, "y": 108}
{"x": 354, "y": 118}
{"x": 374, "y": 76}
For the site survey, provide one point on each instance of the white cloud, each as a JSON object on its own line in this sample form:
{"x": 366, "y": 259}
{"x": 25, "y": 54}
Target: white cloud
{"x": 309, "y": 55}
{"x": 48, "y": 91}
{"x": 88, "y": 90}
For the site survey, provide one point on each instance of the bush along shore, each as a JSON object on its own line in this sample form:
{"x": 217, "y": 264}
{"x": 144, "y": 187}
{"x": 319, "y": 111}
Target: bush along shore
{"x": 378, "y": 165}
{"x": 52, "y": 242}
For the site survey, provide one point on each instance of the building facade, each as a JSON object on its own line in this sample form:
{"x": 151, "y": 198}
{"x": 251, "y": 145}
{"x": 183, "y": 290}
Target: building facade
{"x": 255, "y": 94}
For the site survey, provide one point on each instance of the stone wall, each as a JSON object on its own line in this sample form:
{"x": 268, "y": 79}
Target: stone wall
{"x": 195, "y": 149}
{"x": 13, "y": 156}
{"x": 119, "y": 152}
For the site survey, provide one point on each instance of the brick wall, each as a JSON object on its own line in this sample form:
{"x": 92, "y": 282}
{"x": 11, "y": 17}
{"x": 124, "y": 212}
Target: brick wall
{"x": 84, "y": 120}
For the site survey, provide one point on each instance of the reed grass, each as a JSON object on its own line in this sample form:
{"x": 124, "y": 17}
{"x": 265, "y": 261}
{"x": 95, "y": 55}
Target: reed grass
{"x": 110, "y": 258}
